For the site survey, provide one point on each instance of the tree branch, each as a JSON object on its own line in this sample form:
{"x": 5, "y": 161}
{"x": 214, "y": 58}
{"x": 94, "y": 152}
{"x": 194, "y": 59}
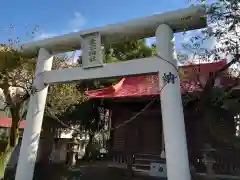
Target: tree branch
{"x": 5, "y": 87}
{"x": 212, "y": 76}
{"x": 235, "y": 60}
{"x": 60, "y": 122}
{"x": 5, "y": 108}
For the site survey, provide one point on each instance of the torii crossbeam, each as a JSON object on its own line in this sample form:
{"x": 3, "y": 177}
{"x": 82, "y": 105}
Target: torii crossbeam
{"x": 163, "y": 26}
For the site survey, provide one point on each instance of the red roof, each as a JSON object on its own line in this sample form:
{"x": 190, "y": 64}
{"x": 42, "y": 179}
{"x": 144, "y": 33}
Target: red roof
{"x": 7, "y": 123}
{"x": 147, "y": 85}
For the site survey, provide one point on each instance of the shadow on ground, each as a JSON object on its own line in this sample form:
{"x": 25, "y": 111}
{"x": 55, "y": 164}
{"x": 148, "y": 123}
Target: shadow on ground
{"x": 85, "y": 171}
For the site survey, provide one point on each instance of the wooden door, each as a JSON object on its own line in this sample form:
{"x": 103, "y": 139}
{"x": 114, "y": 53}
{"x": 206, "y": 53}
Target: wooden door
{"x": 151, "y": 135}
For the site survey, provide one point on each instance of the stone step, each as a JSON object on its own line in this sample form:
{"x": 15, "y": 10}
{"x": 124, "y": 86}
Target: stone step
{"x": 141, "y": 166}
{"x": 148, "y": 161}
{"x": 143, "y": 161}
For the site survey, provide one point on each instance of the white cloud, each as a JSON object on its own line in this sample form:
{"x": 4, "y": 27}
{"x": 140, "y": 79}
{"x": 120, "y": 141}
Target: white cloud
{"x": 77, "y": 22}
{"x": 73, "y": 25}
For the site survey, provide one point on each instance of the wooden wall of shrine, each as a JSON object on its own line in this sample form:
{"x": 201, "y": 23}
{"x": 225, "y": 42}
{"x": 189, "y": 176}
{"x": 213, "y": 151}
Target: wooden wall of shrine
{"x": 144, "y": 133}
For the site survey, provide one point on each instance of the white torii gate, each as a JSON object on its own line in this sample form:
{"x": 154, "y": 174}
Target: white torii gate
{"x": 162, "y": 26}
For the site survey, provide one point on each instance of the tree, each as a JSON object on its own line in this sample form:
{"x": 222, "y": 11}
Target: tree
{"x": 15, "y": 84}
{"x": 61, "y": 98}
{"x": 127, "y": 50}
{"x": 69, "y": 94}
{"x": 87, "y": 116}
{"x": 223, "y": 29}
{"x": 17, "y": 73}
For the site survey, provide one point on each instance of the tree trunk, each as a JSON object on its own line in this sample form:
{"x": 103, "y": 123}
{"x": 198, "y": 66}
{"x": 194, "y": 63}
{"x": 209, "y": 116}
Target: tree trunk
{"x": 88, "y": 149}
{"x": 8, "y": 146}
{"x": 4, "y": 159}
{"x": 49, "y": 134}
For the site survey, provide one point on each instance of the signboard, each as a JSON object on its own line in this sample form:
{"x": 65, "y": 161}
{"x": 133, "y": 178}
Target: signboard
{"x": 158, "y": 170}
{"x": 91, "y": 50}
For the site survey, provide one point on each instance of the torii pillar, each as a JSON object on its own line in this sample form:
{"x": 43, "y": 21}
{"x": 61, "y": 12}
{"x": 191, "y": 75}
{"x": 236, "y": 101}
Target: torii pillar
{"x": 172, "y": 110}
{"x": 31, "y": 135}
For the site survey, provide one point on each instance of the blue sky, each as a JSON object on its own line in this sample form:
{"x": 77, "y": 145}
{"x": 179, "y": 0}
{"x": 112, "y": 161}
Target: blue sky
{"x": 64, "y": 16}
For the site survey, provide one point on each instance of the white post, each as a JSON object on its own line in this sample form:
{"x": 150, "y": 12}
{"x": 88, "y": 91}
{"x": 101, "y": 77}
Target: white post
{"x": 31, "y": 135}
{"x": 172, "y": 111}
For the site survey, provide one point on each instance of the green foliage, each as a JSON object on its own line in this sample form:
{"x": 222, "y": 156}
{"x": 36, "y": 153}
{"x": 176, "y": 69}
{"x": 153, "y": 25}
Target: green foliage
{"x": 12, "y": 59}
{"x": 4, "y": 158}
{"x": 17, "y": 73}
{"x": 85, "y": 114}
{"x": 61, "y": 98}
{"x": 127, "y": 50}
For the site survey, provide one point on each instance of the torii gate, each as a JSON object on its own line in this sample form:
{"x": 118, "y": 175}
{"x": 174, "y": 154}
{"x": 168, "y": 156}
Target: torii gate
{"x": 162, "y": 26}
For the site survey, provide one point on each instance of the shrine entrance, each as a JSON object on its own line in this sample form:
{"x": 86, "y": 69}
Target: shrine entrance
{"x": 163, "y": 27}
{"x": 149, "y": 135}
